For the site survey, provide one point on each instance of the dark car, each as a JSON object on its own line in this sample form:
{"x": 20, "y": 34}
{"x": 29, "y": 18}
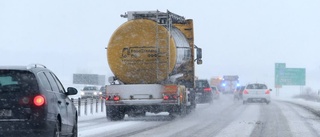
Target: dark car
{"x": 203, "y": 91}
{"x": 35, "y": 103}
{"x": 215, "y": 92}
{"x": 238, "y": 92}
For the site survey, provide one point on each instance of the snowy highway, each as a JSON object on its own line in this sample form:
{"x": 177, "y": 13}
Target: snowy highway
{"x": 224, "y": 118}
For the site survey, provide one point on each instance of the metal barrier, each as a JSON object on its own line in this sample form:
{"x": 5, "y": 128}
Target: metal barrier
{"x": 83, "y": 107}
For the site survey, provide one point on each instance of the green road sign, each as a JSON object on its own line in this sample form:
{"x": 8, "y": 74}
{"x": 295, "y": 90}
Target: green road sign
{"x": 289, "y": 76}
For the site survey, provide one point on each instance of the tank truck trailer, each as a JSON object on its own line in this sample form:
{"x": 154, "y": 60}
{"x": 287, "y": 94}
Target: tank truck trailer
{"x": 152, "y": 58}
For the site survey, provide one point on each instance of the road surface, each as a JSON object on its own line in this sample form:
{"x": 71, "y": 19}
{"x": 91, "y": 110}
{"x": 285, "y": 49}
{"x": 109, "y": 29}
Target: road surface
{"x": 224, "y": 118}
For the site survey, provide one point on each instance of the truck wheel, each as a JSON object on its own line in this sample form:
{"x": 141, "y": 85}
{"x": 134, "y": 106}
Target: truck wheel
{"x": 183, "y": 110}
{"x": 114, "y": 113}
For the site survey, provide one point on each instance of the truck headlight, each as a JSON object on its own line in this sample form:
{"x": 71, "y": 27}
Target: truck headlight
{"x": 94, "y": 93}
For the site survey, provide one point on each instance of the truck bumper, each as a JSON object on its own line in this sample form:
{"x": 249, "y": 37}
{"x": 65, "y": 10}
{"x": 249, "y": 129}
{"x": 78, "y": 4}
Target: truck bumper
{"x": 154, "y": 106}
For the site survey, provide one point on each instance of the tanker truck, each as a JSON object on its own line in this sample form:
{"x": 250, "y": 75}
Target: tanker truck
{"x": 152, "y": 57}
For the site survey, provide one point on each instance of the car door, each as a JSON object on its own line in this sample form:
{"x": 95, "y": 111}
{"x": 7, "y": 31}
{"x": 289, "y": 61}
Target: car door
{"x": 61, "y": 102}
{"x": 70, "y": 109}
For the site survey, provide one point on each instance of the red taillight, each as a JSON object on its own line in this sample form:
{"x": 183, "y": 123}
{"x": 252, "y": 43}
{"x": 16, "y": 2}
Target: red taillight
{"x": 108, "y": 98}
{"x": 116, "y": 98}
{"x": 245, "y": 92}
{"x": 38, "y": 100}
{"x": 165, "y": 97}
{"x": 171, "y": 97}
{"x": 267, "y": 92}
{"x": 207, "y": 89}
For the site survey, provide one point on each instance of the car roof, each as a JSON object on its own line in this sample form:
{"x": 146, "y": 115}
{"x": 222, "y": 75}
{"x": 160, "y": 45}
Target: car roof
{"x": 14, "y": 67}
{"x": 31, "y": 68}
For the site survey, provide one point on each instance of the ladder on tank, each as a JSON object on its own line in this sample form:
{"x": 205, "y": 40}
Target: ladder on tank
{"x": 164, "y": 20}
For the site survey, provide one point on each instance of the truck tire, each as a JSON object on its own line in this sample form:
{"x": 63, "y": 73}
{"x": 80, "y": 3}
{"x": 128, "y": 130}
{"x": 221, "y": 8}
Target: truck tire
{"x": 114, "y": 113}
{"x": 183, "y": 110}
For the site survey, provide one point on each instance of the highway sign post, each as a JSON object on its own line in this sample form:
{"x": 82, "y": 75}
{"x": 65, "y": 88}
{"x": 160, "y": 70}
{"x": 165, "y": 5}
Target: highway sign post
{"x": 289, "y": 76}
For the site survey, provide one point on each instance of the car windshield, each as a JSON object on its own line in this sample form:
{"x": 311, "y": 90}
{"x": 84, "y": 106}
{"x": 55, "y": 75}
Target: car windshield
{"x": 202, "y": 84}
{"x": 160, "y": 68}
{"x": 17, "y": 81}
{"x": 90, "y": 88}
{"x": 256, "y": 86}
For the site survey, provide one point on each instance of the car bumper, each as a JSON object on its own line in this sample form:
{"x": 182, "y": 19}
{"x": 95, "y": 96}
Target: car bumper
{"x": 26, "y": 128}
{"x": 204, "y": 97}
{"x": 256, "y": 97}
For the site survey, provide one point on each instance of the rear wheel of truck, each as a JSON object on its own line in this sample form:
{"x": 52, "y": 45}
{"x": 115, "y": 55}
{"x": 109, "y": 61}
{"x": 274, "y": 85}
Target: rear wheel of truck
{"x": 183, "y": 110}
{"x": 114, "y": 113}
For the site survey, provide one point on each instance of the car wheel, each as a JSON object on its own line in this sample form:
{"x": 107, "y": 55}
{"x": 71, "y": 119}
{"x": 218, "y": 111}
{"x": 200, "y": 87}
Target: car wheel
{"x": 57, "y": 129}
{"x": 75, "y": 129}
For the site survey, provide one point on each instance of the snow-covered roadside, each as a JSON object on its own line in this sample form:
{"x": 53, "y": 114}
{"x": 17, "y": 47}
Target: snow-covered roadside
{"x": 310, "y": 105}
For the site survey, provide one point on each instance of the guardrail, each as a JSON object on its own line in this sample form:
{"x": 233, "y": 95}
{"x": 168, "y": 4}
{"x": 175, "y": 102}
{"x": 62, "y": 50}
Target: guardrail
{"x": 89, "y": 105}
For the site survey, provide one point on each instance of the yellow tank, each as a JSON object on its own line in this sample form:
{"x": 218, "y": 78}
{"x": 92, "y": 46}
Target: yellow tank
{"x": 138, "y": 52}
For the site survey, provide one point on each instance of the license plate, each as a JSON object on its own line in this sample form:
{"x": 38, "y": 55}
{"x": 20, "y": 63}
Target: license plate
{"x": 141, "y": 96}
{"x": 5, "y": 113}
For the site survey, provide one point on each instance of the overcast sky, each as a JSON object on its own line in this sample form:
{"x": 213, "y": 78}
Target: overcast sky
{"x": 238, "y": 37}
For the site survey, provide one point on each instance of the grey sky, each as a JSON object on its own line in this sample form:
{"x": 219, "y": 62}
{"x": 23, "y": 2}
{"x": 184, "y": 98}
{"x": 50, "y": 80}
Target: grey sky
{"x": 243, "y": 37}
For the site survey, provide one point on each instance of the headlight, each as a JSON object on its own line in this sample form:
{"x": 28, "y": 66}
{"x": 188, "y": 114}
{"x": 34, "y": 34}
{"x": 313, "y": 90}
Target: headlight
{"x": 100, "y": 93}
{"x": 82, "y": 93}
{"x": 94, "y": 93}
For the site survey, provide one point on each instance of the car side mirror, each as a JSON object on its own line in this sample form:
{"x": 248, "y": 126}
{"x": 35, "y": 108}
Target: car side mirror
{"x": 72, "y": 91}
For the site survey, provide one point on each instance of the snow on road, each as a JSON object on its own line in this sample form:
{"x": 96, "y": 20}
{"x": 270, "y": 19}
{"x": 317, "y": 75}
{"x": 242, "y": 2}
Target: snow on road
{"x": 244, "y": 124}
{"x": 225, "y": 118}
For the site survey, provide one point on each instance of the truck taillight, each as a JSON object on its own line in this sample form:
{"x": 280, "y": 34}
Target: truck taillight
{"x": 207, "y": 89}
{"x": 165, "y": 97}
{"x": 171, "y": 97}
{"x": 116, "y": 98}
{"x": 267, "y": 92}
{"x": 245, "y": 92}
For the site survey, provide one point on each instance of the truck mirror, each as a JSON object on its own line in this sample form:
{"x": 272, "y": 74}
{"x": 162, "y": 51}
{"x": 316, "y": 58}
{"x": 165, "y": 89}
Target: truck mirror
{"x": 111, "y": 79}
{"x": 199, "y": 61}
{"x": 199, "y": 54}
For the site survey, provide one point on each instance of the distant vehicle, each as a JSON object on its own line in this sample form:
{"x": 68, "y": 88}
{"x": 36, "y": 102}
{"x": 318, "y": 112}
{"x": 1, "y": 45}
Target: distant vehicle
{"x": 91, "y": 92}
{"x": 256, "y": 92}
{"x": 203, "y": 91}
{"x": 34, "y": 103}
{"x": 238, "y": 92}
{"x": 103, "y": 92}
{"x": 215, "y": 92}
{"x": 229, "y": 84}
